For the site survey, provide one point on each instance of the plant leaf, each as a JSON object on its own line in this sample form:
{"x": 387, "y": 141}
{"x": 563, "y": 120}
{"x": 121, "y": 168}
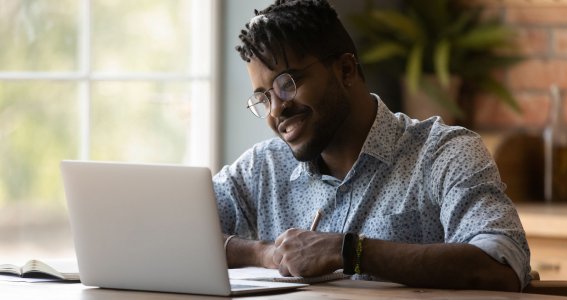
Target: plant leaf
{"x": 480, "y": 67}
{"x": 433, "y": 14}
{"x": 459, "y": 26}
{"x": 485, "y": 37}
{"x": 413, "y": 68}
{"x": 383, "y": 51}
{"x": 499, "y": 90}
{"x": 441, "y": 57}
{"x": 401, "y": 25}
{"x": 441, "y": 96}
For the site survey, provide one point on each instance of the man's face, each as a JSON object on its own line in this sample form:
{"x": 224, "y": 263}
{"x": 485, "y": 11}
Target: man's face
{"x": 309, "y": 122}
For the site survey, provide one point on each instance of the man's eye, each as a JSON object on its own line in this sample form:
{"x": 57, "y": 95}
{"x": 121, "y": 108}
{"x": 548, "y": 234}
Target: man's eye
{"x": 287, "y": 85}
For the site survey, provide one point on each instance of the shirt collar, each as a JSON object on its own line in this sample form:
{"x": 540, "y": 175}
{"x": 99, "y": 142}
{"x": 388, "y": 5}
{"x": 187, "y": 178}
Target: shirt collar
{"x": 309, "y": 168}
{"x": 383, "y": 134}
{"x": 301, "y": 166}
{"x": 379, "y": 143}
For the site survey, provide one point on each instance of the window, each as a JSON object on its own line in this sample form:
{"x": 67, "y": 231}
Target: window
{"x": 127, "y": 80}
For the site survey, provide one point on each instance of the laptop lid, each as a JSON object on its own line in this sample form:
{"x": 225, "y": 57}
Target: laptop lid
{"x": 147, "y": 227}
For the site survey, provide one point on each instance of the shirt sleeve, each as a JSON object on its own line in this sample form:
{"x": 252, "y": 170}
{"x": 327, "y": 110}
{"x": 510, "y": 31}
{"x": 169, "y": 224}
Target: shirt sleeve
{"x": 473, "y": 204}
{"x": 234, "y": 190}
{"x": 506, "y": 251}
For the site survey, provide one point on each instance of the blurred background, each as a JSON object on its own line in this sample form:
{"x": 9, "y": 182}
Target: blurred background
{"x": 159, "y": 81}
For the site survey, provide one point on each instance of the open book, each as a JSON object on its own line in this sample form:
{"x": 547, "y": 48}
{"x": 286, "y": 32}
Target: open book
{"x": 55, "y": 269}
{"x": 262, "y": 274}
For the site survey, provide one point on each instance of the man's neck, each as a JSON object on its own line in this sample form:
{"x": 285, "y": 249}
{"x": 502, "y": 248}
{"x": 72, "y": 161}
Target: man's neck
{"x": 339, "y": 157}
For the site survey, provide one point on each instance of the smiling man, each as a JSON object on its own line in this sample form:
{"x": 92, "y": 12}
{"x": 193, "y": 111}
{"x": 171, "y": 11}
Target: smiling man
{"x": 414, "y": 202}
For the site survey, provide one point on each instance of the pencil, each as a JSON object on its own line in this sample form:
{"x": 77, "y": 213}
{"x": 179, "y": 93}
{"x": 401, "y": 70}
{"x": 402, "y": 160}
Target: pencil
{"x": 316, "y": 220}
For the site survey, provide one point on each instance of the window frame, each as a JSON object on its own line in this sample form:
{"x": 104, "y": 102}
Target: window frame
{"x": 203, "y": 151}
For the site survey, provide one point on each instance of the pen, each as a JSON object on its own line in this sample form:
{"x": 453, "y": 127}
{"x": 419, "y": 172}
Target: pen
{"x": 316, "y": 220}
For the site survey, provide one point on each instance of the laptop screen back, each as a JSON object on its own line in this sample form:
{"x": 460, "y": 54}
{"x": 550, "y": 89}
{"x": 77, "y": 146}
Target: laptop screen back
{"x": 146, "y": 227}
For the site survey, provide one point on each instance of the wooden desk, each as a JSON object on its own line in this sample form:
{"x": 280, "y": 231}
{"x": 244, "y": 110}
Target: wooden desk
{"x": 342, "y": 289}
{"x": 546, "y": 230}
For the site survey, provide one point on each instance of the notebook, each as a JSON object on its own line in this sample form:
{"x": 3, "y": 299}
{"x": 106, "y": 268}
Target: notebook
{"x": 43, "y": 270}
{"x": 150, "y": 227}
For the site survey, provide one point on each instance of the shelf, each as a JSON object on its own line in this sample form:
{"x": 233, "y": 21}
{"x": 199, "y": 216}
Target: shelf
{"x": 544, "y": 220}
{"x": 520, "y": 3}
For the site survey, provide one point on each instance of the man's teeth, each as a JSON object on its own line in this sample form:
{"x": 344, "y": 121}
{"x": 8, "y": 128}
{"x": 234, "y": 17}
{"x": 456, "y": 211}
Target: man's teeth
{"x": 291, "y": 127}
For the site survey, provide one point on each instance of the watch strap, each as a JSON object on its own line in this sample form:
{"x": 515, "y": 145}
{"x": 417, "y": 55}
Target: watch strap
{"x": 348, "y": 252}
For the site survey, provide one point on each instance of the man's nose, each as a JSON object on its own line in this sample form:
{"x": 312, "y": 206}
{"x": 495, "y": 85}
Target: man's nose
{"x": 276, "y": 105}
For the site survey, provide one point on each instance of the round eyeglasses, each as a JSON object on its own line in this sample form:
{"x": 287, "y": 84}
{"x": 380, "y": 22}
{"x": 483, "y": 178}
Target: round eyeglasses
{"x": 283, "y": 86}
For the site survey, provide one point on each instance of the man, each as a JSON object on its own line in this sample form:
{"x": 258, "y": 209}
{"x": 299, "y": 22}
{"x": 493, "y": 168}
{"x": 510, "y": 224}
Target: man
{"x": 414, "y": 202}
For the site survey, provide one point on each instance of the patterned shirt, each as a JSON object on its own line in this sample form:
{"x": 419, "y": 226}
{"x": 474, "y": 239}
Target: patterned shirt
{"x": 413, "y": 182}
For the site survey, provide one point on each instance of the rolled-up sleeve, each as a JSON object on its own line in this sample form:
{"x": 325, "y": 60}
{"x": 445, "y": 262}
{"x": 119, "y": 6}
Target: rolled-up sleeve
{"x": 474, "y": 206}
{"x": 506, "y": 251}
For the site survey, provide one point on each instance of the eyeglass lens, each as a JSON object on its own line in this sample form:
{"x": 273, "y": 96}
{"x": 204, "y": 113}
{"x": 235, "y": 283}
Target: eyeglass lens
{"x": 283, "y": 87}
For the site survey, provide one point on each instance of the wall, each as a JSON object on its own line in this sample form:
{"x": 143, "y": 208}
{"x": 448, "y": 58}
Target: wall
{"x": 542, "y": 40}
{"x": 239, "y": 128}
{"x": 542, "y": 37}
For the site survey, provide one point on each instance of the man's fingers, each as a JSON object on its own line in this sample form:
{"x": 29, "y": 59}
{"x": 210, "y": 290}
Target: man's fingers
{"x": 285, "y": 235}
{"x": 284, "y": 271}
{"x": 277, "y": 257}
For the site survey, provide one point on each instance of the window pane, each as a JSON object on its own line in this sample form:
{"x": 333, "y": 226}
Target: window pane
{"x": 37, "y": 130}
{"x": 38, "y": 35}
{"x": 140, "y": 35}
{"x": 140, "y": 121}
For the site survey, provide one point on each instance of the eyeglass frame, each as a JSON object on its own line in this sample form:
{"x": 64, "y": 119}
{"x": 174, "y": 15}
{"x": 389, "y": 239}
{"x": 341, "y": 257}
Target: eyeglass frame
{"x": 268, "y": 95}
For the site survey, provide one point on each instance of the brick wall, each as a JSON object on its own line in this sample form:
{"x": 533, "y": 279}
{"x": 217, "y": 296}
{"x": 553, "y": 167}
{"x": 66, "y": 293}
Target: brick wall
{"x": 542, "y": 38}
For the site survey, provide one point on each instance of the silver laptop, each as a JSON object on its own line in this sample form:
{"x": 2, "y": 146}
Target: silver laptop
{"x": 150, "y": 227}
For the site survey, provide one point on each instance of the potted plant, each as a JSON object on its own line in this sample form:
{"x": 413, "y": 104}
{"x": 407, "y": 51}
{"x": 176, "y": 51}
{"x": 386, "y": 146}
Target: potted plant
{"x": 437, "y": 44}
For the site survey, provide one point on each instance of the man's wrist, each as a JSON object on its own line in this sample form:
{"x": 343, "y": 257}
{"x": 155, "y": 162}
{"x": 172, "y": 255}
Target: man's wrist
{"x": 263, "y": 254}
{"x": 243, "y": 252}
{"x": 352, "y": 253}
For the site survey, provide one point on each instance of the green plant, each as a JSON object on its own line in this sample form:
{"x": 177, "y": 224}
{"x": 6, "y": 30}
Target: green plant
{"x": 441, "y": 37}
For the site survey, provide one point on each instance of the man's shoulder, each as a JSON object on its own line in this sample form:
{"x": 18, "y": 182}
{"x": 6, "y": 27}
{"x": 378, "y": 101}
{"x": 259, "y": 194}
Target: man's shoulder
{"x": 269, "y": 151}
{"x": 432, "y": 139}
{"x": 443, "y": 134}
{"x": 265, "y": 157}
{"x": 435, "y": 131}
{"x": 271, "y": 147}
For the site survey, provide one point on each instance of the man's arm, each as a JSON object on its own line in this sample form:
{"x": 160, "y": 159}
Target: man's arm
{"x": 244, "y": 253}
{"x": 453, "y": 266}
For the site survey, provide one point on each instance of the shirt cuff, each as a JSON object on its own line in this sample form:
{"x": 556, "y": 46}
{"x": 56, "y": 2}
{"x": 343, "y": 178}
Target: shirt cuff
{"x": 504, "y": 250}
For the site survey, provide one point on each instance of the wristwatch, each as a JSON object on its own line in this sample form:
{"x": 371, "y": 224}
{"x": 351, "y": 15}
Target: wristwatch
{"x": 349, "y": 252}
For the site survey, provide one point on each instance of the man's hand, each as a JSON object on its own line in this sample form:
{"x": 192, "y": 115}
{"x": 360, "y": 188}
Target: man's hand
{"x": 307, "y": 253}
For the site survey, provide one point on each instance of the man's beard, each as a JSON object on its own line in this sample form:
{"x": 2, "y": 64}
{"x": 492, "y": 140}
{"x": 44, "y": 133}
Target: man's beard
{"x": 334, "y": 109}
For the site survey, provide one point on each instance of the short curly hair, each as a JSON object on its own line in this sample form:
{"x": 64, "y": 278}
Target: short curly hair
{"x": 306, "y": 27}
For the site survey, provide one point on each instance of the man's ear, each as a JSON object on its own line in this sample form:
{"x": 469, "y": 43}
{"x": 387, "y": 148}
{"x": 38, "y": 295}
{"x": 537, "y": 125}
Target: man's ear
{"x": 348, "y": 69}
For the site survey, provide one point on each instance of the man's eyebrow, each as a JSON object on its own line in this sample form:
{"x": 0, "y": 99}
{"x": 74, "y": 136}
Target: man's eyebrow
{"x": 259, "y": 90}
{"x": 290, "y": 71}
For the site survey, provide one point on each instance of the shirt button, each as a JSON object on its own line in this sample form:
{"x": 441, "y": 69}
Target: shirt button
{"x": 343, "y": 188}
